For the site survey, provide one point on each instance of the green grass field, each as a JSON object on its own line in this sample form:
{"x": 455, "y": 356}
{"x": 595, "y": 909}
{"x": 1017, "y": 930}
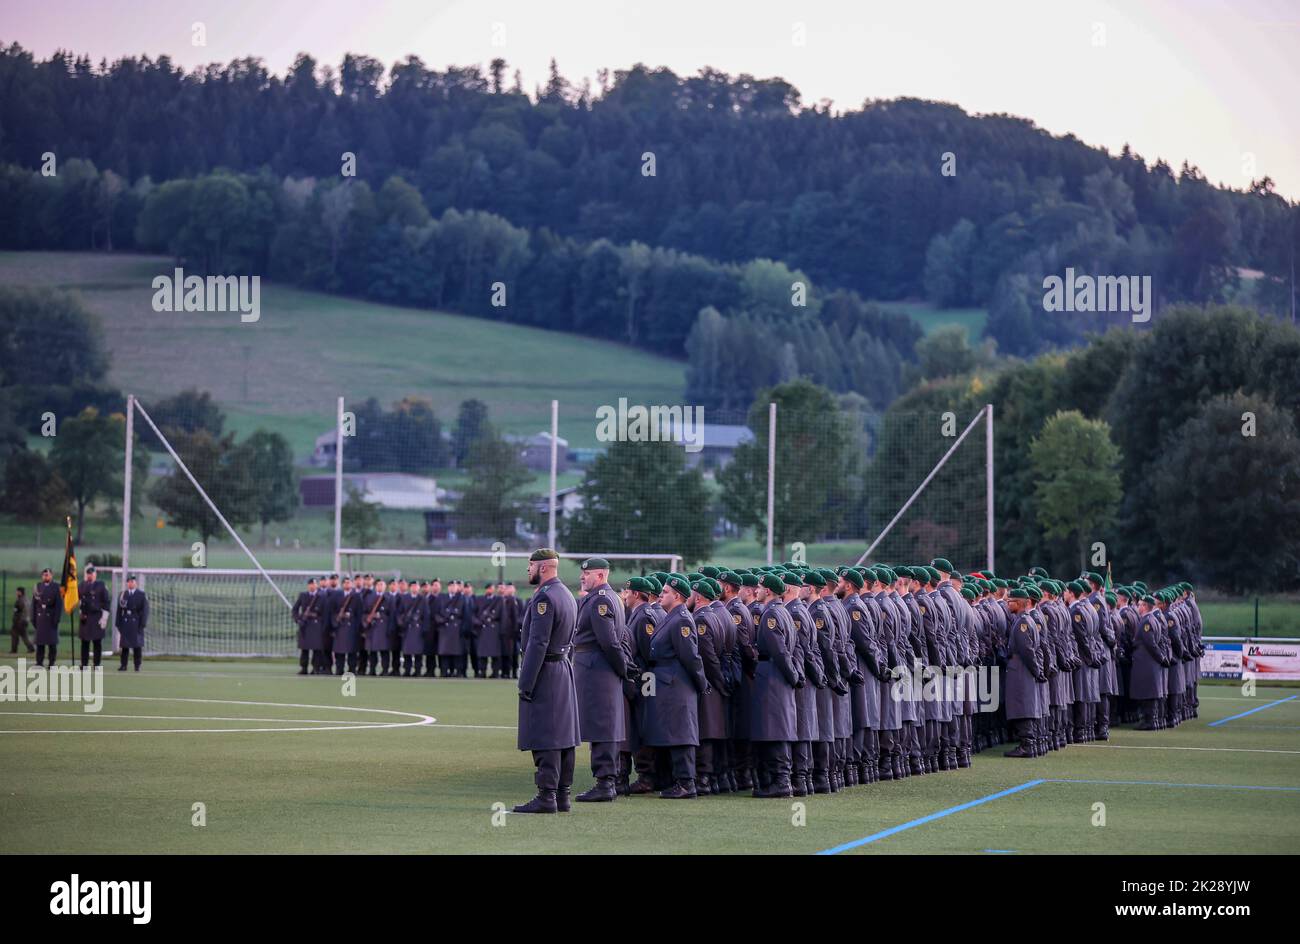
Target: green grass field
{"x": 289, "y": 764}
{"x": 284, "y": 372}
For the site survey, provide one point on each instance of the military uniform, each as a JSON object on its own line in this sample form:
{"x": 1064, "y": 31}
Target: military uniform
{"x": 94, "y": 604}
{"x": 131, "y": 620}
{"x": 599, "y": 670}
{"x": 309, "y": 615}
{"x": 671, "y": 717}
{"x": 548, "y": 699}
{"x": 1023, "y": 677}
{"x": 774, "y": 716}
{"x": 47, "y": 610}
{"x": 347, "y": 635}
{"x": 413, "y": 621}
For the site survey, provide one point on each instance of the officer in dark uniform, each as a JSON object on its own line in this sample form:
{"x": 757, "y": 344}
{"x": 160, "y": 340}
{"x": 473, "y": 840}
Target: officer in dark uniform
{"x": 308, "y": 613}
{"x": 509, "y": 615}
{"x": 413, "y": 619}
{"x": 710, "y": 629}
{"x": 548, "y": 699}
{"x": 131, "y": 620}
{"x": 642, "y": 622}
{"x": 95, "y": 604}
{"x": 435, "y": 613}
{"x": 774, "y": 719}
{"x": 1023, "y": 675}
{"x": 18, "y": 628}
{"x": 671, "y": 715}
{"x": 347, "y": 622}
{"x": 599, "y": 670}
{"x": 47, "y": 610}
{"x": 745, "y": 661}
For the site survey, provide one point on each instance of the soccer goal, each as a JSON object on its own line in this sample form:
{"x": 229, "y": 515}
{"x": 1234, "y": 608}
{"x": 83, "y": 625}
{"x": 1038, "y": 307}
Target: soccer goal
{"x": 931, "y": 490}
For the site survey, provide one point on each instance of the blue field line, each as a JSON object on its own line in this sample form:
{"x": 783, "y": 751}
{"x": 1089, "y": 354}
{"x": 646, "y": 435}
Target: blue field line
{"x": 835, "y": 850}
{"x": 893, "y": 830}
{"x": 1280, "y": 701}
{"x": 1001, "y": 851}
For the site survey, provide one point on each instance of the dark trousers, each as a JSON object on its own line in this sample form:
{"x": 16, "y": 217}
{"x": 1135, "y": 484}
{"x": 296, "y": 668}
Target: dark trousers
{"x": 554, "y": 769}
{"x": 136, "y": 651}
{"x": 683, "y": 761}
{"x": 507, "y": 663}
{"x": 430, "y": 662}
{"x": 16, "y": 633}
{"x": 412, "y": 663}
{"x": 604, "y": 759}
{"x": 43, "y": 651}
{"x": 822, "y": 752}
{"x": 774, "y": 762}
{"x": 304, "y": 657}
{"x": 802, "y": 751}
{"x": 85, "y": 651}
{"x": 339, "y": 660}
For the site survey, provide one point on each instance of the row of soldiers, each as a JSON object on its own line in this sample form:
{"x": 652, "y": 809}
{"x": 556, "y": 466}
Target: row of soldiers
{"x": 94, "y": 604}
{"x": 788, "y": 679}
{"x": 409, "y": 628}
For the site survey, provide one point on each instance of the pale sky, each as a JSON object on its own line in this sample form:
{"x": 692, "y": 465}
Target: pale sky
{"x": 1216, "y": 82}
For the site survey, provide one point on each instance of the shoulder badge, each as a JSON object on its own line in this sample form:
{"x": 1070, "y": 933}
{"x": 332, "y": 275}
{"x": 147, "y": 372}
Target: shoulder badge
{"x": 821, "y": 624}
{"x": 602, "y": 609}
{"x": 1024, "y": 628}
{"x": 798, "y": 624}
{"x": 699, "y": 628}
{"x": 649, "y": 628}
{"x": 857, "y": 614}
{"x": 541, "y": 608}
{"x": 1077, "y": 617}
{"x": 1146, "y": 629}
{"x": 771, "y": 622}
{"x": 735, "y": 618}
{"x": 686, "y": 632}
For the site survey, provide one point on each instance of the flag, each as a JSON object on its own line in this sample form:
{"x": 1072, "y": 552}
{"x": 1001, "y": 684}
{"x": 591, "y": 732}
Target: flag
{"x": 69, "y": 579}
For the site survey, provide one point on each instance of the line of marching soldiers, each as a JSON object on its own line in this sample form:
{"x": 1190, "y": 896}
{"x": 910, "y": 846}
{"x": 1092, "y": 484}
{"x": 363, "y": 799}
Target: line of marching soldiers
{"x": 407, "y": 628}
{"x": 788, "y": 680}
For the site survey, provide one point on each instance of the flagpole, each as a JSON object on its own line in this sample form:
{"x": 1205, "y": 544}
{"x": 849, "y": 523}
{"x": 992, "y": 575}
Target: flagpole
{"x": 72, "y": 636}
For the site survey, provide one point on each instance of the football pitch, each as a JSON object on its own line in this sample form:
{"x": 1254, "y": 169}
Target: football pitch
{"x": 290, "y": 764}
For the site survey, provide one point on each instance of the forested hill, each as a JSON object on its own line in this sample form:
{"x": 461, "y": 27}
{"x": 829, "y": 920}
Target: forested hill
{"x": 743, "y": 170}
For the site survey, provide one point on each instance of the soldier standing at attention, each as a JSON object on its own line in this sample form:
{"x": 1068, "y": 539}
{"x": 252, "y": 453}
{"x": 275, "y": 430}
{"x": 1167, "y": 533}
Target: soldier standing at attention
{"x": 434, "y": 605}
{"x": 415, "y": 626}
{"x": 94, "y": 616}
{"x": 47, "y": 608}
{"x": 132, "y": 618}
{"x": 18, "y": 628}
{"x": 347, "y": 616}
{"x": 508, "y": 627}
{"x": 548, "y": 700}
{"x": 1022, "y": 675}
{"x": 599, "y": 669}
{"x": 306, "y": 609}
{"x": 774, "y": 724}
{"x": 709, "y": 630}
{"x": 671, "y": 715}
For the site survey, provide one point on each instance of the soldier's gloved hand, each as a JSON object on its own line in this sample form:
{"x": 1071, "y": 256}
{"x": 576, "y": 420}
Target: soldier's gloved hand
{"x": 525, "y": 696}
{"x": 857, "y": 678}
{"x": 840, "y": 689}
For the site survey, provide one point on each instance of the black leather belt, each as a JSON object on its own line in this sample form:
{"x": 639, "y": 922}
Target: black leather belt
{"x": 556, "y": 656}
{"x": 587, "y": 647}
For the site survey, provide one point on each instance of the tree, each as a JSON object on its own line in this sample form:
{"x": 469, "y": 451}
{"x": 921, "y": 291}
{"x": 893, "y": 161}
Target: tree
{"x": 1228, "y": 501}
{"x": 945, "y": 352}
{"x": 70, "y": 336}
{"x": 224, "y": 472}
{"x": 1076, "y": 479}
{"x": 814, "y": 466}
{"x": 270, "y": 464}
{"x": 640, "y": 497}
{"x": 188, "y": 412}
{"x": 87, "y": 453}
{"x": 32, "y": 491}
{"x": 490, "y": 504}
{"x": 360, "y": 519}
{"x": 471, "y": 426}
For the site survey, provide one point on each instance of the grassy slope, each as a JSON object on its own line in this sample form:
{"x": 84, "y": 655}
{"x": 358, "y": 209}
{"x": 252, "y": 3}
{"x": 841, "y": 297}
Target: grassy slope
{"x": 284, "y": 372}
{"x": 431, "y": 789}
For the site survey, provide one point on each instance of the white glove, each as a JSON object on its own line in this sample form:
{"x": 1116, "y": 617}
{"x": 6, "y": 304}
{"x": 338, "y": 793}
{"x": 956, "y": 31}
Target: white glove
{"x": 103, "y": 619}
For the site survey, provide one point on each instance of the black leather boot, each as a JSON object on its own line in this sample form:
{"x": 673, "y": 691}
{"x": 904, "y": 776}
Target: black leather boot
{"x": 544, "y": 802}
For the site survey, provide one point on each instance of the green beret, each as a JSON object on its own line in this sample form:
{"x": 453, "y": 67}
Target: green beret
{"x": 544, "y": 553}
{"x": 968, "y": 593}
{"x": 1149, "y": 599}
{"x": 1094, "y": 577}
{"x": 1077, "y": 587}
{"x": 704, "y": 589}
{"x": 642, "y": 585}
{"x": 749, "y": 580}
{"x": 1140, "y": 585}
{"x": 1020, "y": 593}
{"x": 1037, "y": 571}
{"x": 680, "y": 584}
{"x": 792, "y": 579}
{"x": 887, "y": 574}
{"x": 902, "y": 570}
{"x": 710, "y": 571}
{"x": 1033, "y": 591}
{"x": 814, "y": 579}
{"x": 772, "y": 582}
{"x": 694, "y": 576}
{"x": 717, "y": 587}
{"x": 855, "y": 578}
{"x": 1110, "y": 599}
{"x": 831, "y": 576}
{"x": 956, "y": 575}
{"x": 595, "y": 563}
{"x": 732, "y": 578}
{"x": 932, "y": 574}
{"x": 941, "y": 564}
